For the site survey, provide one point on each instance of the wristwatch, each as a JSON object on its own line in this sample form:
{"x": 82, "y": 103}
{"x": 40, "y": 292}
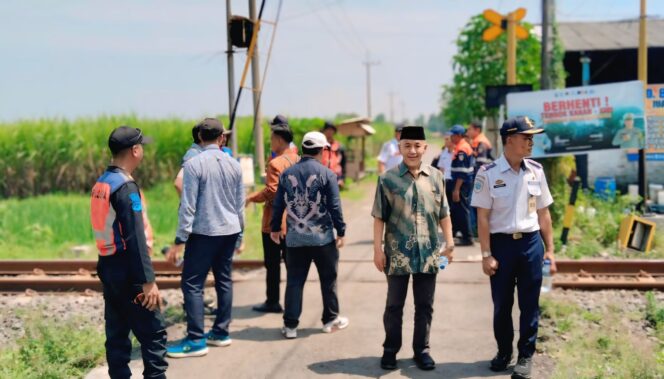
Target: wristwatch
{"x": 486, "y": 254}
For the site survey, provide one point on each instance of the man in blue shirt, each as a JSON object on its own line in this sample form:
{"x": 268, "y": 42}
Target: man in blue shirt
{"x": 309, "y": 194}
{"x": 210, "y": 220}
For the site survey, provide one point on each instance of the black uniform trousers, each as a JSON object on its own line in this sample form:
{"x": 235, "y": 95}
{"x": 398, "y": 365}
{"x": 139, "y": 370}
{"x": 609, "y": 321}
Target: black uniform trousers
{"x": 460, "y": 212}
{"x": 272, "y": 255}
{"x": 424, "y": 287}
{"x": 520, "y": 264}
{"x": 122, "y": 316}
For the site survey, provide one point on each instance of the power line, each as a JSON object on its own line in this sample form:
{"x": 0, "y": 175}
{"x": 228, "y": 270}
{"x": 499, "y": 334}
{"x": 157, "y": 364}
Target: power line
{"x": 350, "y": 50}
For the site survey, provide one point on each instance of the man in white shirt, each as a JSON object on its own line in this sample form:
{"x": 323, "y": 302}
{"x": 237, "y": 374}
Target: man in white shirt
{"x": 390, "y": 156}
{"x": 512, "y": 199}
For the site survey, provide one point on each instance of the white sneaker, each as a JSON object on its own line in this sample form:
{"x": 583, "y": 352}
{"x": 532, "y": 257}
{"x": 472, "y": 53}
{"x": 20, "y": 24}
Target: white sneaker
{"x": 289, "y": 333}
{"x": 337, "y": 323}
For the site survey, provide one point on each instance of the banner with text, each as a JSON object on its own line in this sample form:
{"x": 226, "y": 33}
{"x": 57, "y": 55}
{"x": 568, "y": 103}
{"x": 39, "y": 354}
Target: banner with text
{"x": 581, "y": 119}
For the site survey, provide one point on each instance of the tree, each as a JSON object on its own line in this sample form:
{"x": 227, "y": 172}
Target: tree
{"x": 479, "y": 63}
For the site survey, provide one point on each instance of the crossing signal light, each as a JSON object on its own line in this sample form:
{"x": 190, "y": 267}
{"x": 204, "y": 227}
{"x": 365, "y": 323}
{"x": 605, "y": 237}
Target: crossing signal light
{"x": 240, "y": 29}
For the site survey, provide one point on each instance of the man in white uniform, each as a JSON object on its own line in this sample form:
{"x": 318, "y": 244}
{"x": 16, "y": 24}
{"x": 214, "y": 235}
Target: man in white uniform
{"x": 390, "y": 156}
{"x": 512, "y": 199}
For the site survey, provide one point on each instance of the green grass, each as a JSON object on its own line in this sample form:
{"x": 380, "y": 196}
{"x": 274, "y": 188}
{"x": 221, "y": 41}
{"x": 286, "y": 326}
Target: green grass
{"x": 66, "y": 349}
{"x": 596, "y": 345}
{"x": 47, "y": 227}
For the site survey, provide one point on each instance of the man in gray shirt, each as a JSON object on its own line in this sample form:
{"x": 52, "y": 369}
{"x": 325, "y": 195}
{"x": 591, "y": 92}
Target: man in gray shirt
{"x": 210, "y": 220}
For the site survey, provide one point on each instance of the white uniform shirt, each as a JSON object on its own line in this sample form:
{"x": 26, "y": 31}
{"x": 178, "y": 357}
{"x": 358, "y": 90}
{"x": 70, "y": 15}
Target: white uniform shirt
{"x": 390, "y": 155}
{"x": 445, "y": 163}
{"x": 512, "y": 197}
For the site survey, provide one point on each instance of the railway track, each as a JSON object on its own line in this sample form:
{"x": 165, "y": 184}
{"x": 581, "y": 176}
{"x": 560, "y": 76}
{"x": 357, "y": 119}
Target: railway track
{"x": 598, "y": 275}
{"x": 81, "y": 275}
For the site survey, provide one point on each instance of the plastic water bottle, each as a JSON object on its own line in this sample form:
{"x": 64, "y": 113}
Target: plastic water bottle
{"x": 443, "y": 262}
{"x": 547, "y": 280}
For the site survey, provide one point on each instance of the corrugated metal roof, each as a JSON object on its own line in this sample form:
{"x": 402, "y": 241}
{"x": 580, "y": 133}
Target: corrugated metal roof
{"x": 609, "y": 35}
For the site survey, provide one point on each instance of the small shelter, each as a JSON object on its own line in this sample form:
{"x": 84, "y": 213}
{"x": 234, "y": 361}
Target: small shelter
{"x": 356, "y": 129}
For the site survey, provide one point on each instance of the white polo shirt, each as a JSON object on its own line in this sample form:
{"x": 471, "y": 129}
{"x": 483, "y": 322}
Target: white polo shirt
{"x": 390, "y": 155}
{"x": 513, "y": 197}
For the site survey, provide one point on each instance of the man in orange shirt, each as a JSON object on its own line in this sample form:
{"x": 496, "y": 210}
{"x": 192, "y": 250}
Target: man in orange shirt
{"x": 280, "y": 140}
{"x": 334, "y": 157}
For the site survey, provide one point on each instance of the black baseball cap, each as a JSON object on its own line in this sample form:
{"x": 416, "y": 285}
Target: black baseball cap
{"x": 211, "y": 128}
{"x": 124, "y": 137}
{"x": 280, "y": 127}
{"x": 519, "y": 125}
{"x": 279, "y": 120}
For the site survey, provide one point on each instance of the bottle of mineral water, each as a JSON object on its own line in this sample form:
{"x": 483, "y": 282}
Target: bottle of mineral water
{"x": 443, "y": 262}
{"x": 547, "y": 280}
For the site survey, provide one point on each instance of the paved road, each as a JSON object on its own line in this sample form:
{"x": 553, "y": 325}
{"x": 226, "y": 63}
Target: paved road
{"x": 461, "y": 336}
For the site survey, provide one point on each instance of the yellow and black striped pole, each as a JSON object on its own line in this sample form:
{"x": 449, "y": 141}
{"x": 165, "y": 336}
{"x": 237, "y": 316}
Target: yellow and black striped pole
{"x": 568, "y": 220}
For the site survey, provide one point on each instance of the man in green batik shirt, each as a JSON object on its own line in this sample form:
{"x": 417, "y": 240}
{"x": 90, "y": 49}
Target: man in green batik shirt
{"x": 409, "y": 207}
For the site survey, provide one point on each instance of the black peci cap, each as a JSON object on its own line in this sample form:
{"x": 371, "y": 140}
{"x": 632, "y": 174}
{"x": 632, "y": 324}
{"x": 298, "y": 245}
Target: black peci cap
{"x": 519, "y": 125}
{"x": 415, "y": 133}
{"x": 124, "y": 137}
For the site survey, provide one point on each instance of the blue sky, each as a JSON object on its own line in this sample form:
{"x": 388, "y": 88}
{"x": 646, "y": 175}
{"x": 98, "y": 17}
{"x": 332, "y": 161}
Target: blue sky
{"x": 165, "y": 58}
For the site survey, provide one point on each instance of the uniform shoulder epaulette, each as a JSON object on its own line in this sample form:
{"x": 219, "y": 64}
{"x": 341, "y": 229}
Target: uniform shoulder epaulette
{"x": 534, "y": 163}
{"x": 488, "y": 166}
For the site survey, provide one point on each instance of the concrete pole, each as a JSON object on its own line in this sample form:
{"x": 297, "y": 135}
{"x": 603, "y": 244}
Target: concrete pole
{"x": 548, "y": 11}
{"x": 231, "y": 75}
{"x": 643, "y": 76}
{"x": 255, "y": 83}
{"x": 368, "y": 63}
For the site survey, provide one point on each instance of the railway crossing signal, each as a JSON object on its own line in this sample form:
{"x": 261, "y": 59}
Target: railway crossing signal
{"x": 509, "y": 24}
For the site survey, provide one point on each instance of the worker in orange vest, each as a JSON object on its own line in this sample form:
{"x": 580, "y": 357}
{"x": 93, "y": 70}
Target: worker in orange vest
{"x": 131, "y": 296}
{"x": 482, "y": 152}
{"x": 463, "y": 166}
{"x": 481, "y": 145}
{"x": 334, "y": 157}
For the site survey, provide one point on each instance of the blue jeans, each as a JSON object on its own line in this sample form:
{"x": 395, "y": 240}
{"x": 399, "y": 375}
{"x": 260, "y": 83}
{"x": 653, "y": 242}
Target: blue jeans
{"x": 326, "y": 259}
{"x": 202, "y": 253}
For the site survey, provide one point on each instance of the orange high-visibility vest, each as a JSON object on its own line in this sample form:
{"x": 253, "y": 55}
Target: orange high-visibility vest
{"x": 332, "y": 158}
{"x": 108, "y": 233}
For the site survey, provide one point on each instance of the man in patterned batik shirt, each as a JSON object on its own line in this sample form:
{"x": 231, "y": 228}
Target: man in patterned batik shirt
{"x": 409, "y": 206}
{"x": 309, "y": 195}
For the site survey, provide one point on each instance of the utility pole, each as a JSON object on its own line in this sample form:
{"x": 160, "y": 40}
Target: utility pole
{"x": 643, "y": 76}
{"x": 255, "y": 83}
{"x": 368, "y": 63}
{"x": 391, "y": 106}
{"x": 231, "y": 75}
{"x": 548, "y": 13}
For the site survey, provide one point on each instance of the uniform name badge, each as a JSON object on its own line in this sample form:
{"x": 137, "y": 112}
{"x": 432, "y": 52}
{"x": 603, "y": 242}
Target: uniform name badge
{"x": 532, "y": 204}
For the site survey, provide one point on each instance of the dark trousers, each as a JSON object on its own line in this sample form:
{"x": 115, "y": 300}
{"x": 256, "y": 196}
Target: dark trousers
{"x": 272, "y": 255}
{"x": 520, "y": 264}
{"x": 326, "y": 259}
{"x": 201, "y": 254}
{"x": 122, "y": 316}
{"x": 460, "y": 211}
{"x": 424, "y": 286}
